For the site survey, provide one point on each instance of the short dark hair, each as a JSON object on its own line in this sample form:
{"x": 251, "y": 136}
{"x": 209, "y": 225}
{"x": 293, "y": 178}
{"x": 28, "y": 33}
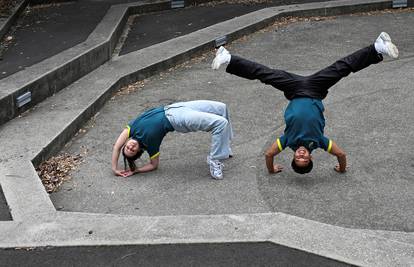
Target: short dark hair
{"x": 131, "y": 160}
{"x": 302, "y": 170}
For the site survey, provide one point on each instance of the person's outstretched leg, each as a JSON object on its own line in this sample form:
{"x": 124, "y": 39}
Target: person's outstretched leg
{"x": 287, "y": 82}
{"x": 317, "y": 85}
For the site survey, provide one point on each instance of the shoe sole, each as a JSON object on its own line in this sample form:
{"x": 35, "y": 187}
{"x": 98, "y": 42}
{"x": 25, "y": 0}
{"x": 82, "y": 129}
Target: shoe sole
{"x": 391, "y": 48}
{"x": 215, "y": 65}
{"x": 385, "y": 37}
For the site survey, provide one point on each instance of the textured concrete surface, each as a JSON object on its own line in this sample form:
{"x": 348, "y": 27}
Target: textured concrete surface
{"x": 376, "y": 191}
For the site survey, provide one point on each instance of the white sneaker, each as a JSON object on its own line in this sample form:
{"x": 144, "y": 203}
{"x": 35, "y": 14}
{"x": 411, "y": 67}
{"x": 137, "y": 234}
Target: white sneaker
{"x": 384, "y": 46}
{"x": 222, "y": 57}
{"x": 216, "y": 168}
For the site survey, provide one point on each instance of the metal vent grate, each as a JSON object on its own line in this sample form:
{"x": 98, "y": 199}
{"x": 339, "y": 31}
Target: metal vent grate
{"x": 399, "y": 3}
{"x": 221, "y": 41}
{"x": 177, "y": 3}
{"x": 24, "y": 99}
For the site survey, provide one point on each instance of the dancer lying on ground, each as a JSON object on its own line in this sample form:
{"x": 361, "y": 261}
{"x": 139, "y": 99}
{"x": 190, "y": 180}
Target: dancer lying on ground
{"x": 146, "y": 132}
{"x": 304, "y": 117}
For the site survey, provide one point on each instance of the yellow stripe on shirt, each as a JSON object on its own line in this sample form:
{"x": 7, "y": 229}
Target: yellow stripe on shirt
{"x": 330, "y": 146}
{"x": 154, "y": 156}
{"x": 279, "y": 145}
{"x": 129, "y": 130}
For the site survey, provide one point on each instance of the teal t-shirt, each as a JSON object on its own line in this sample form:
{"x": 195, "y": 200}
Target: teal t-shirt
{"x": 149, "y": 128}
{"x": 304, "y": 125}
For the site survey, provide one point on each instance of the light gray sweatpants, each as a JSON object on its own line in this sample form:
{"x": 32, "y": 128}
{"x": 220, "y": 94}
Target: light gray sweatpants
{"x": 207, "y": 116}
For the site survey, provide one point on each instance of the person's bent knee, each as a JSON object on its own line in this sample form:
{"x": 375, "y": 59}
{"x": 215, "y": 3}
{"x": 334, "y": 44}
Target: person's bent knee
{"x": 220, "y": 125}
{"x": 223, "y": 107}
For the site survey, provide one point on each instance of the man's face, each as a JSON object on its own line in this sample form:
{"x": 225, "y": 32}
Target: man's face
{"x": 302, "y": 157}
{"x": 131, "y": 148}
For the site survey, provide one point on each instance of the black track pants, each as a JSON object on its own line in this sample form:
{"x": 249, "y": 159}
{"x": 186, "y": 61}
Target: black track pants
{"x": 315, "y": 85}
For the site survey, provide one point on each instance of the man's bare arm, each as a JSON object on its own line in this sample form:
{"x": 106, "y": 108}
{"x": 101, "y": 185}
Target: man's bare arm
{"x": 271, "y": 152}
{"x": 340, "y": 155}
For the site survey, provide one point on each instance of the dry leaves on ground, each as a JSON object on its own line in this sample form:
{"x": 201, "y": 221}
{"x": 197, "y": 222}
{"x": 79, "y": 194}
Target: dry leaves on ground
{"x": 130, "y": 88}
{"x": 54, "y": 171}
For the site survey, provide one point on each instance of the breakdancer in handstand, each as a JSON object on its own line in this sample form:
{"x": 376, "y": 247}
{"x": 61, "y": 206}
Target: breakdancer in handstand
{"x": 304, "y": 117}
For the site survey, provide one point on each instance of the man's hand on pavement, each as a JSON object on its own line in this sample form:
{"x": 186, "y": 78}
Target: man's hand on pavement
{"x": 338, "y": 169}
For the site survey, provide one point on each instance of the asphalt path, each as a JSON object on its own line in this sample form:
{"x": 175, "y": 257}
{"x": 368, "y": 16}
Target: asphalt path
{"x": 369, "y": 114}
